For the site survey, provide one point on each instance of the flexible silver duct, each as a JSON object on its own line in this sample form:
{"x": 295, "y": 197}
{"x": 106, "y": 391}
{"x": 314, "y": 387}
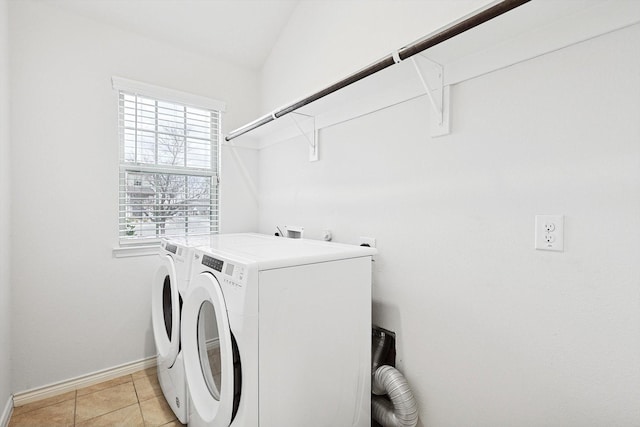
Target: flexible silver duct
{"x": 382, "y": 341}
{"x": 401, "y": 410}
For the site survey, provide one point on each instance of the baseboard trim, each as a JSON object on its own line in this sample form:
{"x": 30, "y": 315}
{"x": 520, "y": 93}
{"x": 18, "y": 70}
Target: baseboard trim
{"x": 6, "y": 412}
{"x": 213, "y": 343}
{"x": 61, "y": 387}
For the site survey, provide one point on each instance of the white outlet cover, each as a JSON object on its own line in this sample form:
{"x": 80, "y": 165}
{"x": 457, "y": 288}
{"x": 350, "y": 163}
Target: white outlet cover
{"x": 549, "y": 233}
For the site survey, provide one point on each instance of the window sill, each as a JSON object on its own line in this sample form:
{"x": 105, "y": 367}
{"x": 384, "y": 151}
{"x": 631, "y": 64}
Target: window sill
{"x": 135, "y": 251}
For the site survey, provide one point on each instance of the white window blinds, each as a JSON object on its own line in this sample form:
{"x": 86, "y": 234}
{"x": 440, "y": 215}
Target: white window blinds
{"x": 169, "y": 161}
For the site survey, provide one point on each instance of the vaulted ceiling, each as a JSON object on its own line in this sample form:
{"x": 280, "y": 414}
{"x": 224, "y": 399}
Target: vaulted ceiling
{"x": 239, "y": 31}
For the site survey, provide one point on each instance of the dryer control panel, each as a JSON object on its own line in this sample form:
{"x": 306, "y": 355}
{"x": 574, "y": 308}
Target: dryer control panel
{"x": 235, "y": 272}
{"x": 212, "y": 262}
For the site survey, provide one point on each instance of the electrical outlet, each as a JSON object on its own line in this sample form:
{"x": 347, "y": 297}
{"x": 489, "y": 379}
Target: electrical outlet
{"x": 549, "y": 233}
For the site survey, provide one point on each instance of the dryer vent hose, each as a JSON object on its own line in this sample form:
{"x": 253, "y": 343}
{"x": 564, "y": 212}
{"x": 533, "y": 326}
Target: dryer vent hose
{"x": 401, "y": 409}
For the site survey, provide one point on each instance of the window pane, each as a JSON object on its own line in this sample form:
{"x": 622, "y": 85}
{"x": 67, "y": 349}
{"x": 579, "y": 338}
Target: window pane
{"x": 165, "y": 149}
{"x": 158, "y": 204}
{"x": 198, "y": 123}
{"x": 170, "y": 116}
{"x": 171, "y": 148}
{"x": 129, "y": 145}
{"x": 146, "y": 114}
{"x": 146, "y": 147}
{"x": 198, "y": 153}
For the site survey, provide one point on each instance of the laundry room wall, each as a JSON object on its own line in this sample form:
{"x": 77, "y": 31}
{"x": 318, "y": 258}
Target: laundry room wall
{"x": 76, "y": 309}
{"x": 343, "y": 37}
{"x": 490, "y": 331}
{"x": 5, "y": 283}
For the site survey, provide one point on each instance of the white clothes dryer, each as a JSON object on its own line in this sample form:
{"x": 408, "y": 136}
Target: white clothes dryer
{"x": 277, "y": 333}
{"x": 167, "y": 294}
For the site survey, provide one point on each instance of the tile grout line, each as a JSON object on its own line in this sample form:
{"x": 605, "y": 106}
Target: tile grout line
{"x": 137, "y": 399}
{"x": 75, "y": 407}
{"x": 141, "y": 414}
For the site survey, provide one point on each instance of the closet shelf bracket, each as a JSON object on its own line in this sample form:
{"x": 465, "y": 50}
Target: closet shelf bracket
{"x": 431, "y": 76}
{"x": 307, "y": 127}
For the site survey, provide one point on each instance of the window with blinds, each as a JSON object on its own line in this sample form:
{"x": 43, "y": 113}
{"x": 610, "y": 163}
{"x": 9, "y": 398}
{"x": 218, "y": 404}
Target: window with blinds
{"x": 169, "y": 155}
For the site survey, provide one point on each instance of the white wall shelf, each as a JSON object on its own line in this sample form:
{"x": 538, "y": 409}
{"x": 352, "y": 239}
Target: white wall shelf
{"x": 531, "y": 30}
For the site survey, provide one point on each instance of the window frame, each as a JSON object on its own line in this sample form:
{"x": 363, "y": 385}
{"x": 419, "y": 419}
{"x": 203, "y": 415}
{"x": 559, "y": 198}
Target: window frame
{"x": 146, "y": 245}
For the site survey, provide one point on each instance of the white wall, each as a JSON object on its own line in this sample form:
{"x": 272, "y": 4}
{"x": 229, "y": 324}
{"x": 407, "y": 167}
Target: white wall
{"x": 490, "y": 331}
{"x": 5, "y": 290}
{"x": 75, "y": 308}
{"x": 326, "y": 40}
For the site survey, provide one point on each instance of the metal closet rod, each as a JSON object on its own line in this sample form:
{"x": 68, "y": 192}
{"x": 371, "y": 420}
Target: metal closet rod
{"x": 402, "y": 54}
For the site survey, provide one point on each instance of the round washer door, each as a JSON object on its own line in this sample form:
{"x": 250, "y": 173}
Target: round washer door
{"x": 165, "y": 311}
{"x": 209, "y": 349}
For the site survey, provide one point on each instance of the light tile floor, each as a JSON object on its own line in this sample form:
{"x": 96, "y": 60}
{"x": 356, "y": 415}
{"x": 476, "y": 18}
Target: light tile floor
{"x": 130, "y": 400}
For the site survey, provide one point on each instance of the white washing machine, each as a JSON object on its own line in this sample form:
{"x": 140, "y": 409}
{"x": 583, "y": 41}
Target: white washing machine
{"x": 276, "y": 332}
{"x": 167, "y": 294}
